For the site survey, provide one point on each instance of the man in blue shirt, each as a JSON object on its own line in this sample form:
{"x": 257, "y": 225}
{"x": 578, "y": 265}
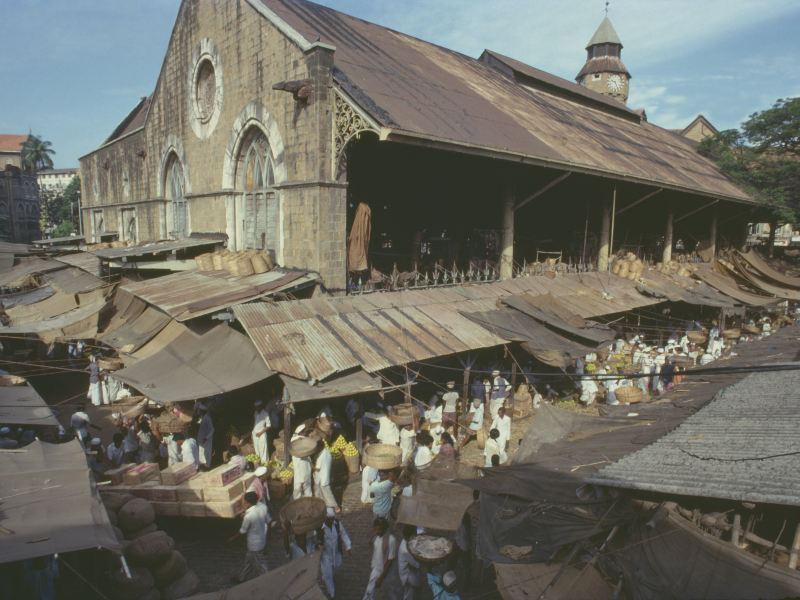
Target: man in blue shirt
{"x": 381, "y": 492}
{"x": 444, "y": 587}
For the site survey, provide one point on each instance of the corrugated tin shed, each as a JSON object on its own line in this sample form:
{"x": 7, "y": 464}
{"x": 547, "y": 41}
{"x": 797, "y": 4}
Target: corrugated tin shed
{"x": 154, "y": 248}
{"x": 416, "y": 91}
{"x": 192, "y": 294}
{"x": 83, "y": 260}
{"x": 742, "y": 446}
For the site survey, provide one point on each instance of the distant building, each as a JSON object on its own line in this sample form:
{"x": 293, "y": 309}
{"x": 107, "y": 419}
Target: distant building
{"x": 699, "y": 129}
{"x": 19, "y": 193}
{"x": 604, "y": 72}
{"x": 55, "y": 180}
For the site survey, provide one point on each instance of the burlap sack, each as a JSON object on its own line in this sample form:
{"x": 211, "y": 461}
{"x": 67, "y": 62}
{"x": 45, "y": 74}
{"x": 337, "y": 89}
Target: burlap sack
{"x": 185, "y": 586}
{"x": 147, "y": 529}
{"x": 150, "y": 550}
{"x": 171, "y": 569}
{"x": 113, "y": 502}
{"x": 135, "y": 515}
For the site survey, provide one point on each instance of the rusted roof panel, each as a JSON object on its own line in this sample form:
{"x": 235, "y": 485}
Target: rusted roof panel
{"x": 420, "y": 90}
{"x": 153, "y": 248}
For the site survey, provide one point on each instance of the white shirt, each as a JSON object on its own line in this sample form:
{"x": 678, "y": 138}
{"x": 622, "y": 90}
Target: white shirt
{"x": 477, "y": 418}
{"x": 260, "y": 423}
{"x": 434, "y": 415}
{"x": 450, "y": 401}
{"x": 378, "y": 556}
{"x": 330, "y": 542}
{"x": 503, "y": 425}
{"x": 388, "y": 432}
{"x": 406, "y": 563}
{"x": 189, "y": 451}
{"x": 407, "y": 439}
{"x": 491, "y": 448}
{"x": 323, "y": 467}
{"x": 173, "y": 452}
{"x": 254, "y": 525}
{"x": 302, "y": 468}
{"x": 423, "y": 458}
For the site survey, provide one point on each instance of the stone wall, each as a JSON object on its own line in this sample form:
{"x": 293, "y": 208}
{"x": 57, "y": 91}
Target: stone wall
{"x": 249, "y": 54}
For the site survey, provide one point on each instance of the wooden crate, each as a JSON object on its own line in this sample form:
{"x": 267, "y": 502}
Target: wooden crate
{"x": 228, "y": 492}
{"x": 141, "y": 473}
{"x": 144, "y": 490}
{"x": 226, "y": 510}
{"x": 117, "y": 475}
{"x": 191, "y": 491}
{"x": 163, "y": 493}
{"x": 192, "y": 509}
{"x": 178, "y": 473}
{"x": 222, "y": 475}
{"x": 167, "y": 509}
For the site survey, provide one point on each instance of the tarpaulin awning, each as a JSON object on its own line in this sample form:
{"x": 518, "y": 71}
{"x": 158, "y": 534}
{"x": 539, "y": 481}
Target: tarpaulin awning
{"x": 197, "y": 366}
{"x": 49, "y": 504}
{"x": 351, "y": 384}
{"x": 729, "y": 287}
{"x": 757, "y": 281}
{"x": 676, "y": 288}
{"x": 22, "y": 405}
{"x": 760, "y": 265}
{"x": 130, "y": 335}
{"x": 80, "y": 323}
{"x": 436, "y": 505}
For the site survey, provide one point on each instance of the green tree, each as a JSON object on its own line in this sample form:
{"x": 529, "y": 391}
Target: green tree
{"x": 59, "y": 210}
{"x": 764, "y": 157}
{"x": 36, "y": 153}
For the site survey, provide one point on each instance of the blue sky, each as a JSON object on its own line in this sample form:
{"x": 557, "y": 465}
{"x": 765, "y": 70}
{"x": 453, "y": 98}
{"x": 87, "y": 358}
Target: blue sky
{"x": 71, "y": 69}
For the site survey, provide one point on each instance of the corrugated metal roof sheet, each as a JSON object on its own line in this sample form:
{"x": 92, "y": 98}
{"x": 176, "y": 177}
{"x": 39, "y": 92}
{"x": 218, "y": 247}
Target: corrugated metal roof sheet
{"x": 153, "y": 248}
{"x": 192, "y": 294}
{"x": 736, "y": 448}
{"x": 83, "y": 260}
{"x": 22, "y": 405}
{"x": 420, "y": 90}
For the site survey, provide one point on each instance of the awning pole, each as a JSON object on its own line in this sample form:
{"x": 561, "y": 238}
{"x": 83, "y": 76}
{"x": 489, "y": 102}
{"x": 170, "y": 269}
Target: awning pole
{"x": 360, "y": 426}
{"x": 287, "y": 436}
{"x": 613, "y": 222}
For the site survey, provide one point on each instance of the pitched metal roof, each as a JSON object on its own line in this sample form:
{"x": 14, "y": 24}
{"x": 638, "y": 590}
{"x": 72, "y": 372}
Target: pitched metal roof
{"x": 132, "y": 121}
{"x": 417, "y": 91}
{"x": 605, "y": 34}
{"x": 739, "y": 447}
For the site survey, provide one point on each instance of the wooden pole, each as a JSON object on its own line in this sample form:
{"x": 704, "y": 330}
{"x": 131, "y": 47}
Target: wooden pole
{"x": 507, "y": 246}
{"x": 287, "y": 436}
{"x": 795, "y": 551}
{"x": 510, "y": 407}
{"x": 712, "y": 235}
{"x": 666, "y": 256}
{"x": 360, "y": 426}
{"x": 605, "y": 227}
{"x": 613, "y": 221}
{"x": 737, "y": 530}
{"x": 585, "y": 235}
{"x": 465, "y": 399}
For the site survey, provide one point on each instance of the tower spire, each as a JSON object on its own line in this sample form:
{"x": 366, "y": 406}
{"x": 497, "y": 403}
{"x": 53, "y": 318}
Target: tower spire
{"x": 604, "y": 71}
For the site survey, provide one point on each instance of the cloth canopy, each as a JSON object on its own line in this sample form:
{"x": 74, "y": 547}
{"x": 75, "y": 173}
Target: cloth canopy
{"x": 22, "y": 405}
{"x": 49, "y": 504}
{"x": 760, "y": 265}
{"x": 197, "y": 366}
{"x": 728, "y": 286}
{"x": 436, "y": 505}
{"x": 357, "y": 382}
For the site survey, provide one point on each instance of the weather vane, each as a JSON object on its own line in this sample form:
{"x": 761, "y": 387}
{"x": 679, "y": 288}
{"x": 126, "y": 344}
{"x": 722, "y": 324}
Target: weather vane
{"x": 607, "y": 7}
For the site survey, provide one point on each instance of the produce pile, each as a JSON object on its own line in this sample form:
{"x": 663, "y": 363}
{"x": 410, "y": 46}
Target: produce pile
{"x": 341, "y": 448}
{"x": 158, "y": 571}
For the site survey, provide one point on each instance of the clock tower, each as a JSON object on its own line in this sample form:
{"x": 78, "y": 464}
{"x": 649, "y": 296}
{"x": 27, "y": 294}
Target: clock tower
{"x": 604, "y": 71}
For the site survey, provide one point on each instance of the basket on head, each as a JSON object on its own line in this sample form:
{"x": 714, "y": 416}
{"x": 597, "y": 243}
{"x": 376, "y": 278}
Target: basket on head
{"x": 303, "y": 447}
{"x": 629, "y": 394}
{"x": 732, "y": 334}
{"x": 751, "y": 329}
{"x": 697, "y": 337}
{"x": 382, "y": 456}
{"x": 303, "y": 515}
{"x": 430, "y": 549}
{"x": 681, "y": 360}
{"x": 402, "y": 414}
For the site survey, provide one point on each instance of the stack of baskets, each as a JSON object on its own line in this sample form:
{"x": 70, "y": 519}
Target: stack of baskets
{"x": 751, "y": 329}
{"x": 402, "y": 414}
{"x": 629, "y": 394}
{"x": 169, "y": 422}
{"x": 240, "y": 264}
{"x": 630, "y": 266}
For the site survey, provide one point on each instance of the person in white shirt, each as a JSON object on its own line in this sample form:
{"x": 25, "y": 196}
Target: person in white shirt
{"x": 173, "y": 450}
{"x": 388, "y": 433}
{"x": 298, "y": 545}
{"x": 187, "y": 447}
{"x": 384, "y": 552}
{"x": 261, "y": 425}
{"x": 368, "y": 476}
{"x": 205, "y": 436}
{"x": 436, "y": 432}
{"x": 493, "y": 448}
{"x": 302, "y": 469}
{"x": 79, "y": 421}
{"x": 475, "y": 419}
{"x": 254, "y": 526}
{"x": 322, "y": 478}
{"x": 450, "y": 409}
{"x": 435, "y": 413}
{"x": 407, "y": 439}
{"x": 503, "y": 424}
{"x": 500, "y": 391}
{"x": 424, "y": 455}
{"x": 236, "y": 458}
{"x": 116, "y": 451}
{"x": 334, "y": 542}
{"x": 408, "y": 567}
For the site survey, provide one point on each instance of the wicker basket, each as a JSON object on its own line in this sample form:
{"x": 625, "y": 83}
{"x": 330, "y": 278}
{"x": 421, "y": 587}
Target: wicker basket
{"x": 353, "y": 463}
{"x": 751, "y": 329}
{"x": 732, "y": 334}
{"x": 416, "y": 544}
{"x": 110, "y": 364}
{"x": 169, "y": 423}
{"x": 629, "y": 394}
{"x": 402, "y": 414}
{"x": 277, "y": 489}
{"x": 303, "y": 515}
{"x": 217, "y": 261}
{"x": 260, "y": 264}
{"x": 302, "y": 447}
{"x": 382, "y": 456}
{"x": 697, "y": 337}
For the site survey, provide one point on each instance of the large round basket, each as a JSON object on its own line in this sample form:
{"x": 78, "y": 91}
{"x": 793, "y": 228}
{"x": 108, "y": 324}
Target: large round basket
{"x": 277, "y": 489}
{"x": 430, "y": 549}
{"x": 382, "y": 456}
{"x": 303, "y": 515}
{"x": 303, "y": 447}
{"x": 732, "y": 334}
{"x": 169, "y": 423}
{"x": 629, "y": 394}
{"x": 697, "y": 337}
{"x": 402, "y": 414}
{"x": 481, "y": 438}
{"x": 353, "y": 463}
{"x": 751, "y": 329}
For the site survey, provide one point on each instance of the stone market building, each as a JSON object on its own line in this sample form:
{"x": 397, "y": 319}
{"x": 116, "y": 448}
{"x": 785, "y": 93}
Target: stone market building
{"x": 273, "y": 120}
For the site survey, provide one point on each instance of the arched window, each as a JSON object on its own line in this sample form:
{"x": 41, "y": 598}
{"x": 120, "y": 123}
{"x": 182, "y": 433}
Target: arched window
{"x": 257, "y": 179}
{"x": 174, "y": 188}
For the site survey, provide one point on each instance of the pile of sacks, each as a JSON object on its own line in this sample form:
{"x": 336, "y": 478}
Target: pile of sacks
{"x": 158, "y": 571}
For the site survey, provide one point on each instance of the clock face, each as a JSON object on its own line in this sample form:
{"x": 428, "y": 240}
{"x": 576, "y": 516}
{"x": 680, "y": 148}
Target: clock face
{"x": 615, "y": 83}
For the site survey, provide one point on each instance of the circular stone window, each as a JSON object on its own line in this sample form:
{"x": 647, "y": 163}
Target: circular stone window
{"x": 205, "y": 90}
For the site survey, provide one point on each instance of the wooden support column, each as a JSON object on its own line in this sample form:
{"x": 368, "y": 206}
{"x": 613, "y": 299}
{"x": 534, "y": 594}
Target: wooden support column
{"x": 712, "y": 235}
{"x": 736, "y": 532}
{"x": 605, "y": 235}
{"x": 510, "y": 400}
{"x": 773, "y": 230}
{"x": 360, "y": 426}
{"x": 666, "y": 256}
{"x": 465, "y": 399}
{"x": 287, "y": 433}
{"x": 795, "y": 550}
{"x": 507, "y": 245}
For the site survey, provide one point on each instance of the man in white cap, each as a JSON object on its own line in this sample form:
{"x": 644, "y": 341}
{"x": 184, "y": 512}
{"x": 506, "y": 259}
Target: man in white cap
{"x": 322, "y": 478}
{"x": 6, "y": 441}
{"x": 500, "y": 390}
{"x": 259, "y": 486}
{"x": 261, "y": 423}
{"x": 334, "y": 542}
{"x": 302, "y": 468}
{"x": 79, "y": 421}
{"x": 205, "y": 435}
{"x": 254, "y": 526}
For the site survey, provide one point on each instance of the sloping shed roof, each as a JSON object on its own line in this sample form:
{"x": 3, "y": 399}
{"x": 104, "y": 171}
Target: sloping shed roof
{"x": 49, "y": 503}
{"x": 192, "y": 294}
{"x": 83, "y": 260}
{"x": 132, "y": 121}
{"x": 762, "y": 266}
{"x": 197, "y": 366}
{"x": 417, "y": 90}
{"x": 357, "y": 382}
{"x": 737, "y": 447}
{"x": 22, "y": 405}
{"x": 729, "y": 287}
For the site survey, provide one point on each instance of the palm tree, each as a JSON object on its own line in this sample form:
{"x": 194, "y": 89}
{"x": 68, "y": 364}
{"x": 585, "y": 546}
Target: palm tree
{"x": 36, "y": 153}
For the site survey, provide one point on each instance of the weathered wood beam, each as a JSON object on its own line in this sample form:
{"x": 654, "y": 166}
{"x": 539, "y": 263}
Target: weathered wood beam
{"x": 696, "y": 210}
{"x": 547, "y": 187}
{"x": 640, "y": 200}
